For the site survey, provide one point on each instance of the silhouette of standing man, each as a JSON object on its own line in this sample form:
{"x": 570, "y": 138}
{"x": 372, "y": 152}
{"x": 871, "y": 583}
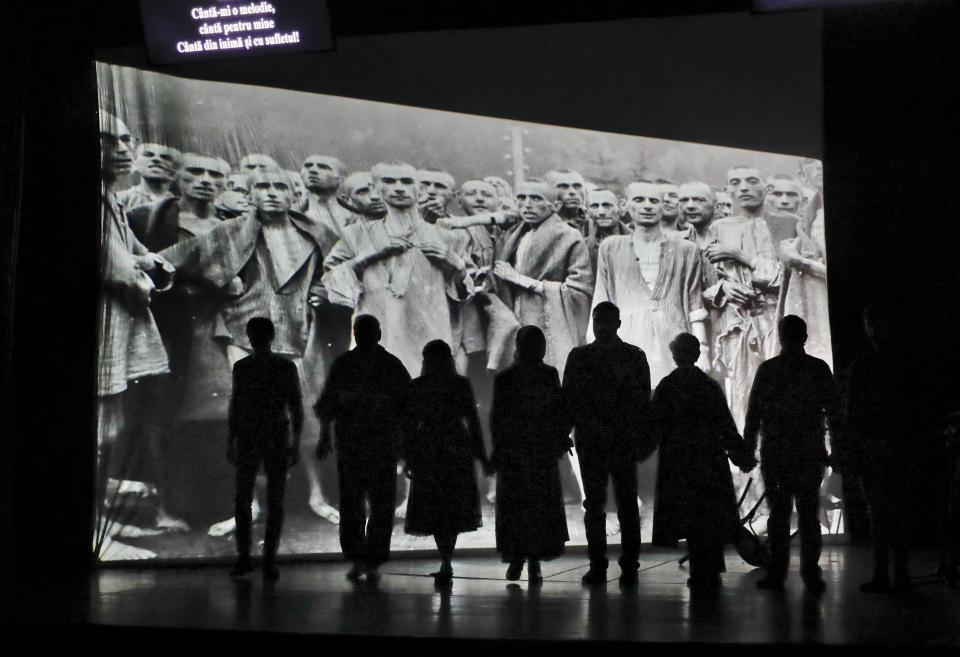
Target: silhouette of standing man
{"x": 606, "y": 387}
{"x": 885, "y": 417}
{"x": 264, "y": 404}
{"x": 362, "y": 399}
{"x": 792, "y": 395}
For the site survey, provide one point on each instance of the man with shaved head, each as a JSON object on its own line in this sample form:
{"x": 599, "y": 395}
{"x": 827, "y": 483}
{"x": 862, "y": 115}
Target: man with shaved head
{"x": 300, "y": 198}
{"x": 130, "y": 347}
{"x": 401, "y": 270}
{"x": 697, "y": 202}
{"x": 603, "y": 217}
{"x": 654, "y": 280}
{"x": 436, "y": 191}
{"x": 359, "y": 195}
{"x": 656, "y": 283}
{"x": 569, "y": 190}
{"x": 185, "y": 317}
{"x": 743, "y": 251}
{"x": 264, "y": 264}
{"x": 670, "y": 217}
{"x": 724, "y": 205}
{"x": 784, "y": 193}
{"x": 322, "y": 175}
{"x": 157, "y": 165}
{"x": 253, "y": 162}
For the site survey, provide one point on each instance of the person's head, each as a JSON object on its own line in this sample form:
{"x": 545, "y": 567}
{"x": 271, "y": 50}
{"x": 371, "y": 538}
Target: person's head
{"x": 437, "y": 359}
{"x": 237, "y": 182}
{"x": 606, "y": 321}
{"x": 257, "y": 162}
{"x": 156, "y": 162}
{"x": 568, "y": 188}
{"x": 697, "y": 201}
{"x": 784, "y": 193}
{"x": 603, "y": 209}
{"x": 322, "y": 174}
{"x": 116, "y": 147}
{"x": 202, "y": 178}
{"x": 643, "y": 202}
{"x": 745, "y": 184}
{"x": 477, "y": 197}
{"x": 724, "y": 205}
{"x": 231, "y": 204}
{"x": 793, "y": 333}
{"x": 531, "y": 344}
{"x": 685, "y": 349}
{"x": 435, "y": 184}
{"x": 396, "y": 183}
{"x": 272, "y": 192}
{"x": 366, "y": 330}
{"x": 361, "y": 193}
{"x": 536, "y": 200}
{"x": 812, "y": 172}
{"x": 260, "y": 332}
{"x": 671, "y": 198}
{"x": 878, "y": 324}
{"x": 299, "y": 190}
{"x": 504, "y": 191}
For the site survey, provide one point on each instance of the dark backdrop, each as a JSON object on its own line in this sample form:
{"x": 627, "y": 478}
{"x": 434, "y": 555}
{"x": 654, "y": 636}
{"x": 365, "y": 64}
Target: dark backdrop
{"x": 728, "y": 78}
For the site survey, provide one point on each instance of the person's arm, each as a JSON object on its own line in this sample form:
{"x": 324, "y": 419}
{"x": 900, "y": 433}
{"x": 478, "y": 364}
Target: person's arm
{"x": 497, "y": 410}
{"x": 472, "y": 419}
{"x": 326, "y": 409}
{"x": 503, "y": 218}
{"x": 647, "y": 430}
{"x": 755, "y": 410}
{"x": 295, "y": 407}
{"x": 831, "y": 406}
{"x": 233, "y": 417}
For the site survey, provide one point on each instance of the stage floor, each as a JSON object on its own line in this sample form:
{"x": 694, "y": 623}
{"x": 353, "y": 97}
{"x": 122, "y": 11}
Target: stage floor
{"x": 315, "y": 598}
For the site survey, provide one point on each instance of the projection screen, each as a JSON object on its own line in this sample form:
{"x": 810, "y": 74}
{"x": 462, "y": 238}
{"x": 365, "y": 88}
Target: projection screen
{"x": 165, "y": 488}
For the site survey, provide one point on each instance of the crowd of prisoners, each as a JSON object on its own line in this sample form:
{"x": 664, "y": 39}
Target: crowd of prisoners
{"x": 195, "y": 247}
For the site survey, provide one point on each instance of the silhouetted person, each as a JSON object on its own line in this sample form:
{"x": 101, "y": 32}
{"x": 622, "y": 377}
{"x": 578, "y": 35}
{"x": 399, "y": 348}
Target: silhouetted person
{"x": 881, "y": 442}
{"x": 361, "y": 400}
{"x": 793, "y": 394}
{"x": 606, "y": 388}
{"x": 443, "y": 439}
{"x": 530, "y": 433}
{"x": 695, "y": 497}
{"x": 264, "y": 407}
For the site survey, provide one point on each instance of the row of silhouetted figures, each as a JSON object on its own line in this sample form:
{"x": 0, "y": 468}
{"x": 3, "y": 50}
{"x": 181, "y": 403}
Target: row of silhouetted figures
{"x": 378, "y": 417}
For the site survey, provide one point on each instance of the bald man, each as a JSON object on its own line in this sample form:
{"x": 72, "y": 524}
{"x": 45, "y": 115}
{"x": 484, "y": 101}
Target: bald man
{"x": 743, "y": 251}
{"x": 670, "y": 217}
{"x": 724, "y": 205}
{"x": 569, "y": 190}
{"x": 186, "y": 318}
{"x": 129, "y": 343}
{"x": 653, "y": 279}
{"x": 322, "y": 175}
{"x": 784, "y": 193}
{"x": 401, "y": 270}
{"x": 266, "y": 263}
{"x": 253, "y": 162}
{"x": 603, "y": 217}
{"x": 359, "y": 195}
{"x": 157, "y": 165}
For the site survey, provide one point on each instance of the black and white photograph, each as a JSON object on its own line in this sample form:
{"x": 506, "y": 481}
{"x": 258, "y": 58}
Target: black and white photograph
{"x": 443, "y": 226}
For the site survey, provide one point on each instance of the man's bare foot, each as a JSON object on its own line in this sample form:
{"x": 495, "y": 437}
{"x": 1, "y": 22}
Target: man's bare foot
{"x": 169, "y": 523}
{"x": 227, "y": 527}
{"x": 492, "y": 492}
{"x": 319, "y": 506}
{"x": 137, "y": 488}
{"x": 401, "y": 511}
{"x": 613, "y": 526}
{"x": 117, "y": 551}
{"x": 132, "y": 531}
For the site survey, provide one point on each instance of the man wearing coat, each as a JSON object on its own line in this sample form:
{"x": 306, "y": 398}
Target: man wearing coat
{"x": 606, "y": 389}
